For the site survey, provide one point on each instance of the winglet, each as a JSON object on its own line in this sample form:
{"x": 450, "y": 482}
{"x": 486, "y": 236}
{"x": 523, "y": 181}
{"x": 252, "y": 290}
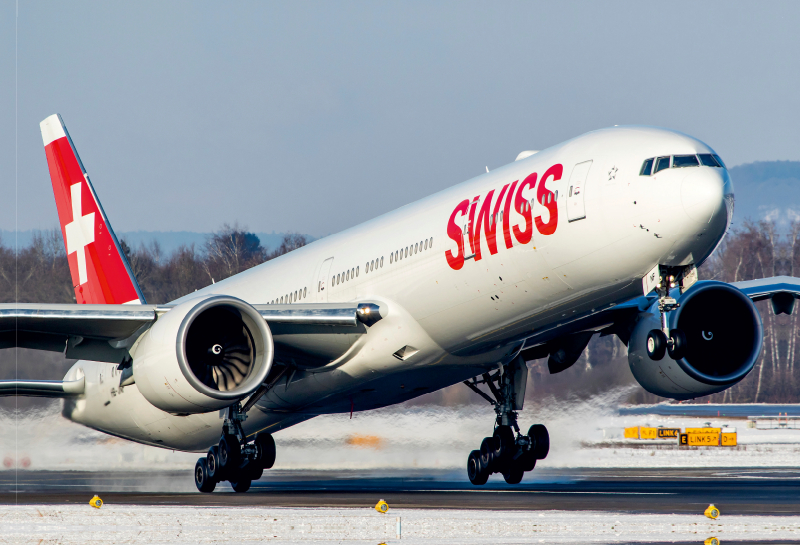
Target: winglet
{"x": 100, "y": 272}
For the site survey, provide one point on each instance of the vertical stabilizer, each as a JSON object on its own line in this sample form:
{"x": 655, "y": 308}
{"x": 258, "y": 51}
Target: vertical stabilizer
{"x": 100, "y": 272}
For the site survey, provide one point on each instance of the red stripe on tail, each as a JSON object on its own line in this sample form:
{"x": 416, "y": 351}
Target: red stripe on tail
{"x": 100, "y": 273}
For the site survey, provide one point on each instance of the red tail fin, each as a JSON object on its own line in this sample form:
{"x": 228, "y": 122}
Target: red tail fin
{"x": 100, "y": 272}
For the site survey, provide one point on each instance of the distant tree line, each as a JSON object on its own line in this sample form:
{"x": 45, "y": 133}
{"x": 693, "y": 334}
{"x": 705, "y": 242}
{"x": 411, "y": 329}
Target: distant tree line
{"x": 39, "y": 273}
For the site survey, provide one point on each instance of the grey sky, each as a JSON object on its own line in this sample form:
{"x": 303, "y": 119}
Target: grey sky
{"x": 313, "y": 116}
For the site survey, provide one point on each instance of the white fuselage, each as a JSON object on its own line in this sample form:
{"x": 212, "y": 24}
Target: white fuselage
{"x": 455, "y": 311}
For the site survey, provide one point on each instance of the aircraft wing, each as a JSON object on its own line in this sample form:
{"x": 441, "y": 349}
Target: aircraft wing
{"x": 782, "y": 290}
{"x": 42, "y": 388}
{"x": 105, "y": 332}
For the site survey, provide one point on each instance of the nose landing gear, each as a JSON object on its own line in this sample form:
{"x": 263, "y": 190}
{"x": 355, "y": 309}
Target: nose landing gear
{"x": 235, "y": 459}
{"x": 663, "y": 341}
{"x": 507, "y": 451}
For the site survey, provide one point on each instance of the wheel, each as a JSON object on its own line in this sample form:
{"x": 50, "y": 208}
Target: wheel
{"x": 656, "y": 344}
{"x": 503, "y": 443}
{"x": 212, "y": 463}
{"x": 540, "y": 439}
{"x": 475, "y": 471}
{"x": 677, "y": 348}
{"x": 241, "y": 486}
{"x": 229, "y": 453}
{"x": 528, "y": 461}
{"x": 266, "y": 450}
{"x": 514, "y": 474}
{"x": 487, "y": 453}
{"x": 254, "y": 471}
{"x": 201, "y": 479}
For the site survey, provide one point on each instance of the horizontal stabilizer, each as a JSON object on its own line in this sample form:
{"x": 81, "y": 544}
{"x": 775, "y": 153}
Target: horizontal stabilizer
{"x": 42, "y": 388}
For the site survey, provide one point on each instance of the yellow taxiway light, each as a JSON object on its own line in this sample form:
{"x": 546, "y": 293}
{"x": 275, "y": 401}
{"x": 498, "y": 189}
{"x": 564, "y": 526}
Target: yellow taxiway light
{"x": 711, "y": 541}
{"x": 382, "y": 507}
{"x": 711, "y": 512}
{"x": 96, "y": 502}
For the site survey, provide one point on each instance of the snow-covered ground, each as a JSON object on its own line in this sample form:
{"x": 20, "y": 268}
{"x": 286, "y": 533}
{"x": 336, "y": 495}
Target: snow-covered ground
{"x": 68, "y": 524}
{"x": 582, "y": 434}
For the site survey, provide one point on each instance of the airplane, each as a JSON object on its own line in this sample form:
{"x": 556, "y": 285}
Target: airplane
{"x": 601, "y": 234}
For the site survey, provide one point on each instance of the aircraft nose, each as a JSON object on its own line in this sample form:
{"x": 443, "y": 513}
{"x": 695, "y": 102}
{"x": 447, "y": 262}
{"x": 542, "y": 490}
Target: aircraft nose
{"x": 703, "y": 193}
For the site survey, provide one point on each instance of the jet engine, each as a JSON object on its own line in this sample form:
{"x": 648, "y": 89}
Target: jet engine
{"x": 203, "y": 355}
{"x": 723, "y": 338}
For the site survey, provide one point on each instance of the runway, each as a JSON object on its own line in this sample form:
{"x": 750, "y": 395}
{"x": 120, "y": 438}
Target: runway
{"x": 744, "y": 491}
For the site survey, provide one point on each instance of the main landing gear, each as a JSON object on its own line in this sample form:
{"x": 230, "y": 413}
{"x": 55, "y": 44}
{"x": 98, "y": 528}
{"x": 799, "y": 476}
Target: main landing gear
{"x": 507, "y": 451}
{"x": 234, "y": 459}
{"x": 663, "y": 341}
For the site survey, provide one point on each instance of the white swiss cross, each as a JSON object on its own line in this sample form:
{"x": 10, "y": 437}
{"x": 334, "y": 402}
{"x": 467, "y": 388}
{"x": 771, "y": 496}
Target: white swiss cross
{"x": 79, "y": 233}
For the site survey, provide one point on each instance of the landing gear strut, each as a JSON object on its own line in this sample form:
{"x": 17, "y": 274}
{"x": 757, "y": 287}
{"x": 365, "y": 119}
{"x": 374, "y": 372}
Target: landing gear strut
{"x": 234, "y": 459}
{"x": 507, "y": 451}
{"x": 662, "y": 341}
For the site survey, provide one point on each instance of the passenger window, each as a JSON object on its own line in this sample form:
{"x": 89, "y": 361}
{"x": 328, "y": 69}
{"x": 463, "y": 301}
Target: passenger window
{"x": 366, "y": 267}
{"x": 556, "y": 195}
{"x": 661, "y": 164}
{"x": 680, "y": 161}
{"x": 352, "y": 272}
{"x": 391, "y": 258}
{"x": 295, "y": 296}
{"x": 304, "y": 292}
{"x": 338, "y": 278}
{"x": 281, "y": 299}
{"x": 426, "y": 243}
{"x": 707, "y": 160}
{"x": 431, "y": 244}
{"x": 381, "y": 261}
{"x": 357, "y": 270}
{"x": 406, "y": 251}
{"x": 647, "y": 166}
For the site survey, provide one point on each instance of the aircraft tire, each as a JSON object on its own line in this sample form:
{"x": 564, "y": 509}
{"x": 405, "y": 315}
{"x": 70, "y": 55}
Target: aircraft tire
{"x": 254, "y": 471}
{"x": 241, "y": 486}
{"x": 504, "y": 445}
{"x": 656, "y": 344}
{"x": 513, "y": 475}
{"x": 212, "y": 463}
{"x": 527, "y": 461}
{"x": 229, "y": 453}
{"x": 201, "y": 479}
{"x": 266, "y": 450}
{"x": 677, "y": 348}
{"x": 487, "y": 453}
{"x": 477, "y": 474}
{"x": 541, "y": 441}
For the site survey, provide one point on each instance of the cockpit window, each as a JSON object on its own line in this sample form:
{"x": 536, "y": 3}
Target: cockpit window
{"x": 680, "y": 161}
{"x": 719, "y": 160}
{"x": 661, "y": 164}
{"x": 647, "y": 166}
{"x": 708, "y": 160}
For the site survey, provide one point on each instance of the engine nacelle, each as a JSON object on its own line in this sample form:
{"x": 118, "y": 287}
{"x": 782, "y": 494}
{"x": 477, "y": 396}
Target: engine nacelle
{"x": 724, "y": 337}
{"x": 203, "y": 355}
